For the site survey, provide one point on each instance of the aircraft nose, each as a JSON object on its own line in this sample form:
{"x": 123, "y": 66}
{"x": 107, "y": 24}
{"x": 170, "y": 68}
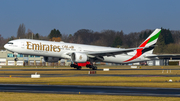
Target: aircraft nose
{"x": 6, "y": 46}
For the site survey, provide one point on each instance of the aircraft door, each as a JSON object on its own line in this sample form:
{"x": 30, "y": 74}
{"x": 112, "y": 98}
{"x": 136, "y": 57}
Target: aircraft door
{"x": 22, "y": 45}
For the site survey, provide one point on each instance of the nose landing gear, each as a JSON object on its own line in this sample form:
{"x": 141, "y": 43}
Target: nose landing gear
{"x": 16, "y": 59}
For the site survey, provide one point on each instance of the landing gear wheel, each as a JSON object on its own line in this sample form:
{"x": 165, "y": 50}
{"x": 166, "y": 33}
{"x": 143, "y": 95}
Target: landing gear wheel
{"x": 16, "y": 59}
{"x": 72, "y": 65}
{"x": 94, "y": 68}
{"x": 78, "y": 67}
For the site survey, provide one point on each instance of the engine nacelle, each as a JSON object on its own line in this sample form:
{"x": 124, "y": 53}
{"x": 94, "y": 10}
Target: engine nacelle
{"x": 79, "y": 57}
{"x": 51, "y": 59}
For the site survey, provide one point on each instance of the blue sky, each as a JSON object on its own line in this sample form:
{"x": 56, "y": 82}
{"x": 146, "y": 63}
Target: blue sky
{"x": 41, "y": 16}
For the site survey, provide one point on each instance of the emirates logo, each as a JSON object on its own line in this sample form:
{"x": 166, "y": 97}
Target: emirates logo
{"x": 80, "y": 57}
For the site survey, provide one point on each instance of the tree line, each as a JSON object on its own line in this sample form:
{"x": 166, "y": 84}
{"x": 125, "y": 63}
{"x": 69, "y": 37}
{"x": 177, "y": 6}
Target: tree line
{"x": 168, "y": 42}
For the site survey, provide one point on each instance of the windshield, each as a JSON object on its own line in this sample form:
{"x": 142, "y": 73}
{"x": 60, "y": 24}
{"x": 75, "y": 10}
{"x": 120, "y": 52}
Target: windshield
{"x": 9, "y": 43}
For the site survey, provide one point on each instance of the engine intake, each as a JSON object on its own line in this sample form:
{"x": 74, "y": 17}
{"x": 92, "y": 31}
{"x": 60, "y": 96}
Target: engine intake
{"x": 79, "y": 57}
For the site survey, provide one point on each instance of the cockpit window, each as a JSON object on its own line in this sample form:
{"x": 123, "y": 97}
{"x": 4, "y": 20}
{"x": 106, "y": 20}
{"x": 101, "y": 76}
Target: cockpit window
{"x": 9, "y": 43}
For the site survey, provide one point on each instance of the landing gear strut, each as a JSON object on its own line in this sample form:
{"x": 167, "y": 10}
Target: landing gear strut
{"x": 91, "y": 66}
{"x": 16, "y": 59}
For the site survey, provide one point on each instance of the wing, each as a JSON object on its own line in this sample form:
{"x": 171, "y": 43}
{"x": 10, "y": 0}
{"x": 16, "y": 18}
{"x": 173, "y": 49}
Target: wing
{"x": 98, "y": 55}
{"x": 93, "y": 54}
{"x": 115, "y": 52}
{"x": 110, "y": 52}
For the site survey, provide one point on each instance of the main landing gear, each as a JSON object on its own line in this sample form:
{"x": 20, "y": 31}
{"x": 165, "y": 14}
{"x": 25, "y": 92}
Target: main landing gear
{"x": 92, "y": 67}
{"x": 87, "y": 64}
{"x": 76, "y": 66}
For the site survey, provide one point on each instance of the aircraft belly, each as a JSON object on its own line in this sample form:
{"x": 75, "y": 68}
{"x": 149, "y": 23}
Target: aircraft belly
{"x": 122, "y": 58}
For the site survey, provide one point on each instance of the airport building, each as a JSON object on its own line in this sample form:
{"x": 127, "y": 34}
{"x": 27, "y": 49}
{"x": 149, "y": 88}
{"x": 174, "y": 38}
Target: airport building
{"x": 7, "y": 59}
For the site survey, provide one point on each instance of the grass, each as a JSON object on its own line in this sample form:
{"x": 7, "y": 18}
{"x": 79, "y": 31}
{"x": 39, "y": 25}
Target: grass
{"x": 136, "y": 81}
{"x": 10, "y": 96}
{"x": 120, "y": 72}
{"x": 70, "y": 79}
{"x": 71, "y": 71}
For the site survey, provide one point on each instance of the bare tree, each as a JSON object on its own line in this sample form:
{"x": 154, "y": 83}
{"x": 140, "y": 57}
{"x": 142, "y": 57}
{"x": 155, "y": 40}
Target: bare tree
{"x": 29, "y": 34}
{"x": 64, "y": 37}
{"x": 2, "y": 42}
{"x": 83, "y": 36}
{"x": 21, "y": 31}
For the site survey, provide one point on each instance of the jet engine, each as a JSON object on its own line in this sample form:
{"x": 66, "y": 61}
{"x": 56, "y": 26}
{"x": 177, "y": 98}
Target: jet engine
{"x": 79, "y": 57}
{"x": 51, "y": 59}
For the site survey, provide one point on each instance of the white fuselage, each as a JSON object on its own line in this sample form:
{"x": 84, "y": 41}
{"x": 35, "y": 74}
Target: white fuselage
{"x": 62, "y": 50}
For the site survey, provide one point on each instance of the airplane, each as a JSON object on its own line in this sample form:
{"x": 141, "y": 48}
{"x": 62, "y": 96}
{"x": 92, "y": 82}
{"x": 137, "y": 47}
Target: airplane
{"x": 84, "y": 55}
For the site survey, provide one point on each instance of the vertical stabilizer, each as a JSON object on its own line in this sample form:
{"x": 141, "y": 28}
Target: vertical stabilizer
{"x": 149, "y": 44}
